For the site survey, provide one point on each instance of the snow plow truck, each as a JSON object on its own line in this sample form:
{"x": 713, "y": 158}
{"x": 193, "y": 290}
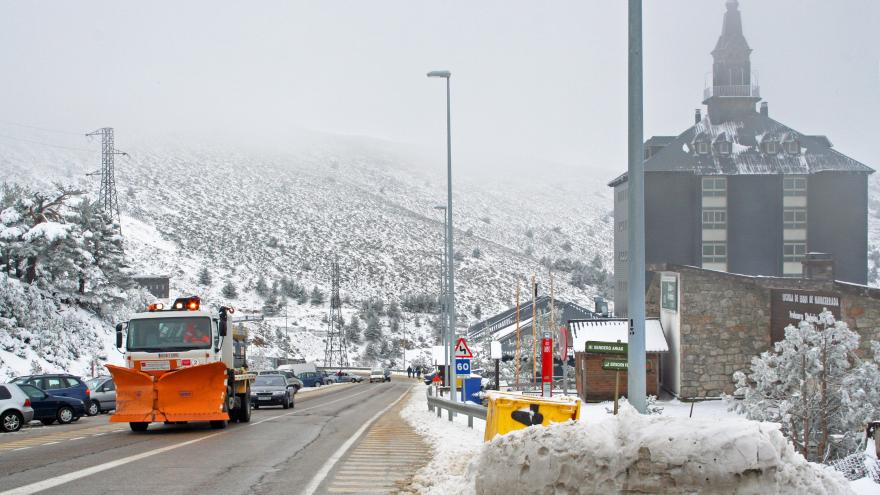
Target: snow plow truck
{"x": 182, "y": 364}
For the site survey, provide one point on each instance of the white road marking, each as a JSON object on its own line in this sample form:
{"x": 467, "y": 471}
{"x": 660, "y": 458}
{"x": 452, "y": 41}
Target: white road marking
{"x": 331, "y": 462}
{"x": 77, "y": 438}
{"x": 50, "y": 443}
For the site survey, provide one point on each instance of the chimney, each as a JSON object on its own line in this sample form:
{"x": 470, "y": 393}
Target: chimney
{"x": 698, "y": 117}
{"x": 764, "y": 110}
{"x": 819, "y": 266}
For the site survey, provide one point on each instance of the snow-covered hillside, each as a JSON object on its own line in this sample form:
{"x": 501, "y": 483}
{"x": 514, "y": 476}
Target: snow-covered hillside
{"x": 245, "y": 212}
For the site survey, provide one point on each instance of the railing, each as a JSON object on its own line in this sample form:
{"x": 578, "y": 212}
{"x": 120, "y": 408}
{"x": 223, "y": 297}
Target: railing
{"x": 470, "y": 410}
{"x": 746, "y": 90}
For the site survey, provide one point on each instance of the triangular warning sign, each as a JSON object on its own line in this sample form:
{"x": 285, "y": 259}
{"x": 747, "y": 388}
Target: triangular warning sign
{"x": 462, "y": 351}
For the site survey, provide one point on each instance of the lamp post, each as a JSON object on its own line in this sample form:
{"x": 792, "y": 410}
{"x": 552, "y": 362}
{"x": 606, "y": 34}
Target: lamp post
{"x": 444, "y": 337}
{"x": 450, "y": 262}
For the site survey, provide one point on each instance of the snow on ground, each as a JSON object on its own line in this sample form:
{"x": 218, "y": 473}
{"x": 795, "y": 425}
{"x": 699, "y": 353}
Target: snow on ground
{"x": 455, "y": 446}
{"x": 668, "y": 453}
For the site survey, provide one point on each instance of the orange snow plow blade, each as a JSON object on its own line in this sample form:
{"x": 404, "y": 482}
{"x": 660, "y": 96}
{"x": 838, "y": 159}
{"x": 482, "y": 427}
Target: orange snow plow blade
{"x": 193, "y": 394}
{"x": 134, "y": 395}
{"x": 186, "y": 394}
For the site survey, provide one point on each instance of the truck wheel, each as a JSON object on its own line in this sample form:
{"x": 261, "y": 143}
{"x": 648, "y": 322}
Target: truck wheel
{"x": 218, "y": 424}
{"x": 138, "y": 426}
{"x": 244, "y": 408}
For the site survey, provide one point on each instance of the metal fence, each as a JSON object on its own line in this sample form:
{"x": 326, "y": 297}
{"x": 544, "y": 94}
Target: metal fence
{"x": 439, "y": 403}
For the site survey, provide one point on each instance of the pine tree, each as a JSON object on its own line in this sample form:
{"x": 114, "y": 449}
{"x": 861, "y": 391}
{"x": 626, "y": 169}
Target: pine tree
{"x": 205, "y": 277}
{"x": 317, "y": 297}
{"x": 229, "y": 291}
{"x": 807, "y": 384}
{"x": 262, "y": 287}
{"x": 373, "y": 333}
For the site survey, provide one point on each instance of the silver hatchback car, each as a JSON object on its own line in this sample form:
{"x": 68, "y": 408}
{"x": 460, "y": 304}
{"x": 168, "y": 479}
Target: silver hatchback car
{"x": 15, "y": 408}
{"x": 103, "y": 396}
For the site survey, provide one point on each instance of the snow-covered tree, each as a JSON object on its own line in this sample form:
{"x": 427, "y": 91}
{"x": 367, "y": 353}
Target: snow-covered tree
{"x": 262, "y": 287}
{"x": 205, "y": 279}
{"x": 814, "y": 385}
{"x": 317, "y": 297}
{"x": 229, "y": 291}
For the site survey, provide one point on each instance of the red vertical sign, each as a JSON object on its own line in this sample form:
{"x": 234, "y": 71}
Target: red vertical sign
{"x": 546, "y": 365}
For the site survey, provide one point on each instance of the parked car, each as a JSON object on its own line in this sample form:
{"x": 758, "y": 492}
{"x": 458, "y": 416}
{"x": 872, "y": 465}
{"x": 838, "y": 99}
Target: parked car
{"x": 311, "y": 379}
{"x": 103, "y": 396}
{"x": 15, "y": 408}
{"x": 429, "y": 378}
{"x": 291, "y": 378}
{"x": 272, "y": 390}
{"x": 58, "y": 384}
{"x": 343, "y": 377}
{"x": 327, "y": 378}
{"x": 51, "y": 408}
{"x": 380, "y": 375}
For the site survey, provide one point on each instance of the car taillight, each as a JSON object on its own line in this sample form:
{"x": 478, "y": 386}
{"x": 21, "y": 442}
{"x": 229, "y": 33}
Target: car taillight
{"x": 88, "y": 392}
{"x": 27, "y": 403}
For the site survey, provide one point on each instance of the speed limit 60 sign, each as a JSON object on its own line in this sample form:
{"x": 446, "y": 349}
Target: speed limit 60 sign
{"x": 462, "y": 366}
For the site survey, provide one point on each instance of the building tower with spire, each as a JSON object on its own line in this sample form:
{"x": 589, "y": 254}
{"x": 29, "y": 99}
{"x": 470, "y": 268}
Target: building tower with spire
{"x": 741, "y": 192}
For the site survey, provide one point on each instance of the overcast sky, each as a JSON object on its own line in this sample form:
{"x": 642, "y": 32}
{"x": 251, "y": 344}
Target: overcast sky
{"x": 531, "y": 78}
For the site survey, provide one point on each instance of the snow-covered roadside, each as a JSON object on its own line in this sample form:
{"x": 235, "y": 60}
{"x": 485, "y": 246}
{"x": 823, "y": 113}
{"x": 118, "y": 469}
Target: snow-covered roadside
{"x": 455, "y": 446}
{"x": 713, "y": 443}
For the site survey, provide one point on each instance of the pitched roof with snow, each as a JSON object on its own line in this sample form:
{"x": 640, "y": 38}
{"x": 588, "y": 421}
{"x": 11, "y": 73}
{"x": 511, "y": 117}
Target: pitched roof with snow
{"x": 615, "y": 330}
{"x": 747, "y": 156}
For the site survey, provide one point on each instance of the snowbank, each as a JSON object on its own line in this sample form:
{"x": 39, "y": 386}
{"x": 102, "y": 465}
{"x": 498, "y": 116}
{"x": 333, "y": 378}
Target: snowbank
{"x": 650, "y": 454}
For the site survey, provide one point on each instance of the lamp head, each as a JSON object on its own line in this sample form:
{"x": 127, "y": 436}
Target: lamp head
{"x": 439, "y": 73}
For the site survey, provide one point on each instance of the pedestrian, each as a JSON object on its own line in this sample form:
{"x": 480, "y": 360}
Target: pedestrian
{"x": 409, "y": 372}
{"x": 419, "y": 372}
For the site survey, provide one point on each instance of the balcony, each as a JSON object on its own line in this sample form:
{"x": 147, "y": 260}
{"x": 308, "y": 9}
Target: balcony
{"x": 739, "y": 91}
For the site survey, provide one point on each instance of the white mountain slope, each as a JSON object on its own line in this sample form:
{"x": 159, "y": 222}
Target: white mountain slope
{"x": 246, "y": 212}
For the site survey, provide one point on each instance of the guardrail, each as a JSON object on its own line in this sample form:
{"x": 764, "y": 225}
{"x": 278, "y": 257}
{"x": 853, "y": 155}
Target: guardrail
{"x": 470, "y": 410}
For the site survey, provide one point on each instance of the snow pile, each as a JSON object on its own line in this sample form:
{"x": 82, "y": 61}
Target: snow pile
{"x": 640, "y": 454}
{"x": 455, "y": 446}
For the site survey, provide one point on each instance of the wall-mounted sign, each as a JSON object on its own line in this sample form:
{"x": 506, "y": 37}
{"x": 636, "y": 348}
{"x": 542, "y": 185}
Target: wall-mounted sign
{"x": 606, "y": 347}
{"x": 615, "y": 364}
{"x": 669, "y": 293}
{"x": 790, "y": 307}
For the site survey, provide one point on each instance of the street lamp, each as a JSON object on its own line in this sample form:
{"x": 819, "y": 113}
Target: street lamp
{"x": 450, "y": 277}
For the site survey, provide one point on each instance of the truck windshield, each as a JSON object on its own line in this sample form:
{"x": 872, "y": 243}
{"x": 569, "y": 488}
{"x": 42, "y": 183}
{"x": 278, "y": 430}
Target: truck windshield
{"x": 169, "y": 334}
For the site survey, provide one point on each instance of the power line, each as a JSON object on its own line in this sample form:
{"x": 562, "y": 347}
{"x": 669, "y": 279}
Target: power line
{"x": 33, "y": 141}
{"x": 28, "y": 126}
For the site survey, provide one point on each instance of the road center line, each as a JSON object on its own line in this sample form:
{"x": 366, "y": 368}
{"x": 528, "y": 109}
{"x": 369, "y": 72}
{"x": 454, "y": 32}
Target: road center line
{"x": 331, "y": 462}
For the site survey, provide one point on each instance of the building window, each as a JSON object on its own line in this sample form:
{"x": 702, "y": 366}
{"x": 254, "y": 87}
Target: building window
{"x": 621, "y": 196}
{"x": 794, "y": 186}
{"x": 794, "y": 218}
{"x": 714, "y": 186}
{"x": 714, "y": 218}
{"x": 621, "y": 226}
{"x": 794, "y": 251}
{"x": 714, "y": 252}
{"x": 702, "y": 148}
{"x": 770, "y": 147}
{"x": 622, "y": 256}
{"x": 793, "y": 147}
{"x": 723, "y": 148}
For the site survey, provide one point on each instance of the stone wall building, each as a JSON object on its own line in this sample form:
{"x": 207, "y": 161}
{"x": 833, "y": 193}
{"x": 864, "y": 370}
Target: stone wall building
{"x": 715, "y": 322}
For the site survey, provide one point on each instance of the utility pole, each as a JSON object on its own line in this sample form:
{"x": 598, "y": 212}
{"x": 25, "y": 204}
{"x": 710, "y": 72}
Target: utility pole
{"x": 444, "y": 336}
{"x": 108, "y": 200}
{"x": 534, "y": 332}
{"x": 636, "y": 213}
{"x": 518, "y": 353}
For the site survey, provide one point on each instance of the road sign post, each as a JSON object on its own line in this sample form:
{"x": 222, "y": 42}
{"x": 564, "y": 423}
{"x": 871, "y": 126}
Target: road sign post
{"x": 547, "y": 365}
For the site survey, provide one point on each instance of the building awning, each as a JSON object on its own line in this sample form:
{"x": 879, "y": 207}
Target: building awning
{"x": 615, "y": 330}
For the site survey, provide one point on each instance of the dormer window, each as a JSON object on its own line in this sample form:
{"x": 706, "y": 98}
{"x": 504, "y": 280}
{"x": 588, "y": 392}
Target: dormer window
{"x": 770, "y": 147}
{"x": 702, "y": 148}
{"x": 724, "y": 148}
{"x": 792, "y": 147}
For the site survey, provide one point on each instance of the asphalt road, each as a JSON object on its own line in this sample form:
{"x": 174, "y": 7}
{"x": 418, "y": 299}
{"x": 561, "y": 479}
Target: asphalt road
{"x": 279, "y": 451}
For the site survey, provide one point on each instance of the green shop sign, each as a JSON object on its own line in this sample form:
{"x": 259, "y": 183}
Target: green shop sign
{"x": 615, "y": 364}
{"x": 606, "y": 347}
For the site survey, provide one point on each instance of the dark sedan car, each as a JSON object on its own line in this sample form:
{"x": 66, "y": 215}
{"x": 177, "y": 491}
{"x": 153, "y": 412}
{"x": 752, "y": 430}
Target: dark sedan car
{"x": 272, "y": 390}
{"x": 51, "y": 408}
